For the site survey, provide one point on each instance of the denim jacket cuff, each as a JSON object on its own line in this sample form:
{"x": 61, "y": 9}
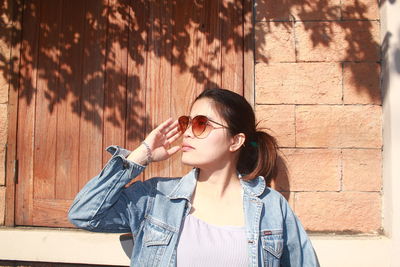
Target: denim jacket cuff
{"x": 117, "y": 151}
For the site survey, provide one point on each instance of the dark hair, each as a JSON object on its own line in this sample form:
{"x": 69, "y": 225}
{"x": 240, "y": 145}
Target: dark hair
{"x": 258, "y": 156}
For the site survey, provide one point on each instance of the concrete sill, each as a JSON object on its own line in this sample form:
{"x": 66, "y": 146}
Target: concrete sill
{"x": 78, "y": 246}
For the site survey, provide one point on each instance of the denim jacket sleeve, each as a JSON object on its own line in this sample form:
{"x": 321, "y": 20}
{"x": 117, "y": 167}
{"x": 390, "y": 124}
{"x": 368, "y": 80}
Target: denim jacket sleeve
{"x": 104, "y": 204}
{"x": 297, "y": 250}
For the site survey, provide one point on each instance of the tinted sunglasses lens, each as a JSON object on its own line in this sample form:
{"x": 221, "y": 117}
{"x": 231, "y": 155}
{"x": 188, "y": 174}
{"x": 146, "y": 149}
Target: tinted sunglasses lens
{"x": 183, "y": 122}
{"x": 199, "y": 125}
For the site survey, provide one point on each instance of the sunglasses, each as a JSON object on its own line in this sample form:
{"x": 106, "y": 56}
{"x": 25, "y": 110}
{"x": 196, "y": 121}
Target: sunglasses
{"x": 201, "y": 126}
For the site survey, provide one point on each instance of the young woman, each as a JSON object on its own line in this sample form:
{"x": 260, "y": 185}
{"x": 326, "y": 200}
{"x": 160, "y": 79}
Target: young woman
{"x": 220, "y": 214}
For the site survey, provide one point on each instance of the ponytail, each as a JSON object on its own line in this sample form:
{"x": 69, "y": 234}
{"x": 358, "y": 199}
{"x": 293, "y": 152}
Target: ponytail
{"x": 259, "y": 157}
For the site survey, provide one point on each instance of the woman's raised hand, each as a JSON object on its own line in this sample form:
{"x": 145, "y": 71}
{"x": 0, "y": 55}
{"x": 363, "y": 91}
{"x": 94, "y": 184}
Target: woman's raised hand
{"x": 158, "y": 142}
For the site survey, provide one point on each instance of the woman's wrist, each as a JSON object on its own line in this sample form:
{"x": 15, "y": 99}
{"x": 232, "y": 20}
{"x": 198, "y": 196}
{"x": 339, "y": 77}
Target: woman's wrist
{"x": 139, "y": 155}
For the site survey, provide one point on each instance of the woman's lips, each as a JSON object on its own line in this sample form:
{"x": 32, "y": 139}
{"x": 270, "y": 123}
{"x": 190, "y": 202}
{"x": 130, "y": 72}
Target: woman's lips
{"x": 186, "y": 147}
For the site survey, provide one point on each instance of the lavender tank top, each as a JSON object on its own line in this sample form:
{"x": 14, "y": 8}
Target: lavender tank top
{"x": 203, "y": 244}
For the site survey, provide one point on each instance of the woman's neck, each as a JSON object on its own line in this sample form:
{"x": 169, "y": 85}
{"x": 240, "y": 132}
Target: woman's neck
{"x": 218, "y": 183}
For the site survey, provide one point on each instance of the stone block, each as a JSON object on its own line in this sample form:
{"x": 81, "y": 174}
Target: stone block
{"x": 274, "y": 42}
{"x": 279, "y": 119}
{"x": 298, "y": 83}
{"x": 357, "y": 212}
{"x": 337, "y": 41}
{"x": 351, "y": 126}
{"x": 310, "y": 170}
{"x": 3, "y": 123}
{"x": 360, "y": 9}
{"x": 361, "y": 83}
{"x": 362, "y": 170}
{"x": 2, "y": 204}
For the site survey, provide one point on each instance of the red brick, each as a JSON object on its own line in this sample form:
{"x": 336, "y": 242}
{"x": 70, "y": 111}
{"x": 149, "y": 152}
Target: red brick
{"x": 316, "y": 10}
{"x": 339, "y": 211}
{"x": 2, "y": 204}
{"x": 339, "y": 126}
{"x": 361, "y": 83}
{"x": 360, "y": 9}
{"x": 2, "y": 164}
{"x": 3, "y": 123}
{"x": 299, "y": 83}
{"x": 272, "y": 10}
{"x": 286, "y": 10}
{"x": 275, "y": 42}
{"x": 362, "y": 169}
{"x": 310, "y": 170}
{"x": 280, "y": 120}
{"x": 337, "y": 41}
{"x": 4, "y": 64}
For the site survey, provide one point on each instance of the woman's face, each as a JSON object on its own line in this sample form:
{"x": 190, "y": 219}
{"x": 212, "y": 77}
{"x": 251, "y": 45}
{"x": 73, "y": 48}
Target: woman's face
{"x": 212, "y": 150}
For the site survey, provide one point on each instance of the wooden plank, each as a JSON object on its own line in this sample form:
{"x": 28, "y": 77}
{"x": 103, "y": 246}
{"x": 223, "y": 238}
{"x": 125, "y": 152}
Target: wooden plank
{"x": 115, "y": 76}
{"x": 68, "y": 112}
{"x": 248, "y": 50}
{"x": 92, "y": 95}
{"x": 47, "y": 101}
{"x": 190, "y": 54}
{"x": 158, "y": 84}
{"x": 212, "y": 56}
{"x": 232, "y": 49}
{"x": 51, "y": 212}
{"x": 137, "y": 118}
{"x": 26, "y": 112}
{"x": 13, "y": 112}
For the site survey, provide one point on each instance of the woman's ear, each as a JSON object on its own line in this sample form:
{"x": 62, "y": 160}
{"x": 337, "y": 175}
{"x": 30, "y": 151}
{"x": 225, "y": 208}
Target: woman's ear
{"x": 237, "y": 142}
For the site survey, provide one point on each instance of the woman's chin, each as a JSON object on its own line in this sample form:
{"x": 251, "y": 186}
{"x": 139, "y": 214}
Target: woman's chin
{"x": 187, "y": 160}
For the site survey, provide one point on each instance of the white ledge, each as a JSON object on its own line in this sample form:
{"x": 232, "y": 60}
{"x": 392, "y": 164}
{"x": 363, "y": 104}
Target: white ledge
{"x": 78, "y": 246}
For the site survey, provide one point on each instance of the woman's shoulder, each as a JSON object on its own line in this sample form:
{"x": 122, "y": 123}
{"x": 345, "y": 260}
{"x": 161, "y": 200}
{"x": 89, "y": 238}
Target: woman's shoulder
{"x": 271, "y": 194}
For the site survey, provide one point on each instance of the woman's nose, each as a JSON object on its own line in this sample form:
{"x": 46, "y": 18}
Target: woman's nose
{"x": 188, "y": 132}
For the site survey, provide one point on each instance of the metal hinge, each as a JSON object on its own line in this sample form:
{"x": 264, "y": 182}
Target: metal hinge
{"x": 16, "y": 171}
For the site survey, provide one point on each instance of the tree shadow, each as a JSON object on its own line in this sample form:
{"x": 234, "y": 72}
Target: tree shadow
{"x": 95, "y": 54}
{"x": 326, "y": 31}
{"x": 281, "y": 181}
{"x": 76, "y": 46}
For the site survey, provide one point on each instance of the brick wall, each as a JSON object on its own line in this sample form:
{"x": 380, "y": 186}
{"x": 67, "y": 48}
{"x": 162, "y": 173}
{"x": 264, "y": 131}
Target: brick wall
{"x": 317, "y": 89}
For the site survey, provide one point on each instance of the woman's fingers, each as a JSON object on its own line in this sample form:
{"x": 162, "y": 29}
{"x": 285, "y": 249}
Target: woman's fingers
{"x": 173, "y": 150}
{"x": 173, "y": 137}
{"x": 171, "y": 127}
{"x": 172, "y": 132}
{"x": 164, "y": 125}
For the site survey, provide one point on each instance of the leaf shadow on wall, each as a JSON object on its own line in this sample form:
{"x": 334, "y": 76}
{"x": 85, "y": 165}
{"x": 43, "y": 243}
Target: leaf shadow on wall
{"x": 324, "y": 31}
{"x": 95, "y": 54}
{"x": 345, "y": 33}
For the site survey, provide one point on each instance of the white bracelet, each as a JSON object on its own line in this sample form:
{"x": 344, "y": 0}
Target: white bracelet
{"x": 149, "y": 158}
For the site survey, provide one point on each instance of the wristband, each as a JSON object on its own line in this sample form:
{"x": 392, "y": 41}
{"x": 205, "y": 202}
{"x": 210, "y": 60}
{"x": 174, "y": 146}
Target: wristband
{"x": 149, "y": 158}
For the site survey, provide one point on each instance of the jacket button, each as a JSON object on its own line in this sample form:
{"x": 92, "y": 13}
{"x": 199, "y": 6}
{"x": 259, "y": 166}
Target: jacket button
{"x": 126, "y": 165}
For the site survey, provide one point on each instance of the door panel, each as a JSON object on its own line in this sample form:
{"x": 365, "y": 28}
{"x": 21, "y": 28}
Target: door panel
{"x": 94, "y": 74}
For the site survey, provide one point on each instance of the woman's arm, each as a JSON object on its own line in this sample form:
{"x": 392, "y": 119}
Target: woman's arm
{"x": 106, "y": 203}
{"x": 298, "y": 250}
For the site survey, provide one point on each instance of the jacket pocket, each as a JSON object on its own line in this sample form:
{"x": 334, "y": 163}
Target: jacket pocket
{"x": 272, "y": 243}
{"x": 156, "y": 239}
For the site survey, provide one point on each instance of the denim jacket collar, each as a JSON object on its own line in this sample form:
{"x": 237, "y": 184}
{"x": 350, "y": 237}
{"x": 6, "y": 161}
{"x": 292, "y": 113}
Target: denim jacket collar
{"x": 186, "y": 186}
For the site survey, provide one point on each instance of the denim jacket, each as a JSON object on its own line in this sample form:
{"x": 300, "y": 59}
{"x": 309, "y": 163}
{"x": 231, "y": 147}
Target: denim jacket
{"x": 153, "y": 211}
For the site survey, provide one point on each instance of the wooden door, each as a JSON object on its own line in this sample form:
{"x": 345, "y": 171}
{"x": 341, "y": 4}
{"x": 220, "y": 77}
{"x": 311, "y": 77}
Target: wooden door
{"x": 96, "y": 73}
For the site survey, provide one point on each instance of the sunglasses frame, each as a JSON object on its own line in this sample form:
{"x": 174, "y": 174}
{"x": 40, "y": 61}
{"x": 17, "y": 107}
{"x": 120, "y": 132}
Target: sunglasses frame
{"x": 207, "y": 123}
